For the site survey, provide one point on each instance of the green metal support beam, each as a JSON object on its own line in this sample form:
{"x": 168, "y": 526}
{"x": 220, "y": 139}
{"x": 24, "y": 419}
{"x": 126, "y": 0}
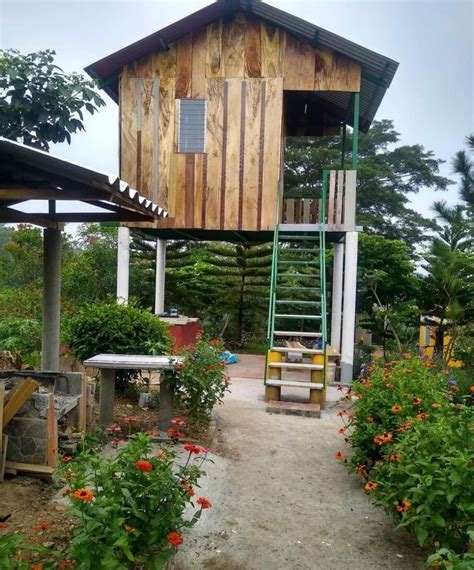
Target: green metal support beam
{"x": 355, "y": 133}
{"x": 343, "y": 145}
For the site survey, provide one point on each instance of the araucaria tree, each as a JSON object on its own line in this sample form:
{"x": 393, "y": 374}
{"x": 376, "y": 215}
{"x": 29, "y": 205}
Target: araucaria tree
{"x": 39, "y": 103}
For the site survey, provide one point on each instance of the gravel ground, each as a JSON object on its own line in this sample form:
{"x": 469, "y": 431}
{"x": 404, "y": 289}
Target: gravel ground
{"x": 281, "y": 501}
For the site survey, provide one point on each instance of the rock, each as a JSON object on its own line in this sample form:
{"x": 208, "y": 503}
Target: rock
{"x": 48, "y": 544}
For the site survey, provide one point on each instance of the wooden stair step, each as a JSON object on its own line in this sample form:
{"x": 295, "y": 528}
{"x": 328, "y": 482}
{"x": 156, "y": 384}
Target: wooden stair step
{"x": 298, "y": 333}
{"x": 294, "y": 409}
{"x": 302, "y": 349}
{"x": 296, "y": 365}
{"x": 295, "y": 384}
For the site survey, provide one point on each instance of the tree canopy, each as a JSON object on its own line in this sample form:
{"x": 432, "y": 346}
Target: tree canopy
{"x": 39, "y": 103}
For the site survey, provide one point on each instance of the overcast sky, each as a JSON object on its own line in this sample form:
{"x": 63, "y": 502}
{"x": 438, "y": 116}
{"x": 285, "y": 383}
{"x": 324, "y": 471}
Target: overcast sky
{"x": 430, "y": 100}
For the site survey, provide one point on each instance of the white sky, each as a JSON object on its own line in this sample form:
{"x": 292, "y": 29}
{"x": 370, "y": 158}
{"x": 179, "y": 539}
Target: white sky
{"x": 430, "y": 100}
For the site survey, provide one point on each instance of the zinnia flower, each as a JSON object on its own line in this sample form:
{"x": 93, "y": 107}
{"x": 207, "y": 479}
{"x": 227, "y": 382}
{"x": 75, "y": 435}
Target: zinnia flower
{"x": 396, "y": 409}
{"x": 192, "y": 448}
{"x": 370, "y": 486}
{"x": 204, "y": 503}
{"x": 143, "y": 465}
{"x": 174, "y": 538}
{"x": 174, "y": 433}
{"x": 66, "y": 458}
{"x": 188, "y": 487}
{"x": 422, "y": 416}
{"x": 394, "y": 457}
{"x": 389, "y": 385}
{"x": 383, "y": 438}
{"x": 340, "y": 456}
{"x": 404, "y": 506}
{"x": 65, "y": 564}
{"x": 342, "y": 430}
{"x": 416, "y": 401}
{"x": 83, "y": 495}
{"x": 471, "y": 388}
{"x": 178, "y": 422}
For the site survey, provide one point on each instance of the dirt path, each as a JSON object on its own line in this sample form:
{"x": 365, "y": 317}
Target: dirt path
{"x": 281, "y": 501}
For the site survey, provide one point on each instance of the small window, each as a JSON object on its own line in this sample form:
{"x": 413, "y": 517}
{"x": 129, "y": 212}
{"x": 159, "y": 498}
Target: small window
{"x": 191, "y": 125}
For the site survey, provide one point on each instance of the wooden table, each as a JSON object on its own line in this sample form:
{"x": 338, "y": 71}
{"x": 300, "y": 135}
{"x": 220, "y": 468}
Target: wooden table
{"x": 110, "y": 363}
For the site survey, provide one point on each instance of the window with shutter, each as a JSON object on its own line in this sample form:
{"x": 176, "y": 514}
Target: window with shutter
{"x": 191, "y": 125}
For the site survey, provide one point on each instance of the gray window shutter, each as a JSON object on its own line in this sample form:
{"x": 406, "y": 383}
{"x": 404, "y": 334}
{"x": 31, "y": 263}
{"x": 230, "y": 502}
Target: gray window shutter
{"x": 191, "y": 125}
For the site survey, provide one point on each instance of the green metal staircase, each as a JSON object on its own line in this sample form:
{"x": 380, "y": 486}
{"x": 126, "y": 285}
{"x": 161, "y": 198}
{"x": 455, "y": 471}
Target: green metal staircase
{"x": 297, "y": 306}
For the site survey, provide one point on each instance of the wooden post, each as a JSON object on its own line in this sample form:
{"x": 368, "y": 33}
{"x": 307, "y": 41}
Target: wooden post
{"x": 166, "y": 405}
{"x": 273, "y": 393}
{"x": 317, "y": 376}
{"x": 106, "y": 398}
{"x": 51, "y": 456}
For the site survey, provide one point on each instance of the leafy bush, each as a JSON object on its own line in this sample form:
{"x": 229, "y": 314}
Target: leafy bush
{"x": 130, "y": 508}
{"x": 201, "y": 382}
{"x": 120, "y": 329}
{"x": 411, "y": 429}
{"x": 23, "y": 336}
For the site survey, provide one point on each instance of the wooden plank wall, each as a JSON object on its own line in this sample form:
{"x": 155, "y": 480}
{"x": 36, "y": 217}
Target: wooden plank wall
{"x": 241, "y": 68}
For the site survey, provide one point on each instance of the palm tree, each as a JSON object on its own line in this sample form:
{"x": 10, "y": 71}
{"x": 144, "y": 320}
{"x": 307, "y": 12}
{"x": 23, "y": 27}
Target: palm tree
{"x": 456, "y": 231}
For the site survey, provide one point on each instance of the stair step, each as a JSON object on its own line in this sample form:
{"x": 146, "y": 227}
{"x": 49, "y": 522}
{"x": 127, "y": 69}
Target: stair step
{"x": 288, "y": 288}
{"x": 310, "y": 275}
{"x": 298, "y": 238}
{"x": 296, "y": 365}
{"x": 299, "y": 349}
{"x": 306, "y": 263}
{"x": 285, "y": 302}
{"x": 290, "y": 316}
{"x": 298, "y": 333}
{"x": 295, "y": 384}
{"x": 299, "y": 250}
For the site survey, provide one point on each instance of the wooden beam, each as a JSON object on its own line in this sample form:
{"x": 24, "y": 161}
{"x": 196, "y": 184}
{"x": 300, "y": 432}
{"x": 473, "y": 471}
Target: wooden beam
{"x": 38, "y": 470}
{"x": 19, "y": 395}
{"x": 7, "y": 215}
{"x": 94, "y": 217}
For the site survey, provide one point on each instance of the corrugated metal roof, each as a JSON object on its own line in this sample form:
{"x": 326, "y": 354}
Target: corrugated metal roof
{"x": 377, "y": 70}
{"x": 118, "y": 190}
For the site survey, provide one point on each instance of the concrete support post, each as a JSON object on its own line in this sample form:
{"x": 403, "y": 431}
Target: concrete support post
{"x": 51, "y": 299}
{"x": 160, "y": 276}
{"x": 349, "y": 307}
{"x": 106, "y": 396}
{"x": 336, "y": 309}
{"x": 123, "y": 264}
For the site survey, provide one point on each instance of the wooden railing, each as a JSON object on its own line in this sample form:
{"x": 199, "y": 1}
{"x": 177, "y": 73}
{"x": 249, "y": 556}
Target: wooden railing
{"x": 340, "y": 205}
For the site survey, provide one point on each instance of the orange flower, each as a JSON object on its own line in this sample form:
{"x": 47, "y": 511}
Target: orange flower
{"x": 389, "y": 385}
{"x": 66, "y": 458}
{"x": 342, "y": 430}
{"x": 180, "y": 365}
{"x": 83, "y": 495}
{"x": 192, "y": 448}
{"x": 471, "y": 388}
{"x": 361, "y": 470}
{"x": 54, "y": 450}
{"x": 174, "y": 433}
{"x": 43, "y": 526}
{"x": 152, "y": 433}
{"x": 128, "y": 528}
{"x": 422, "y": 416}
{"x": 39, "y": 566}
{"x": 66, "y": 564}
{"x": 143, "y": 465}
{"x": 436, "y": 406}
{"x": 394, "y": 457}
{"x": 396, "y": 409}
{"x": 383, "y": 438}
{"x": 174, "y": 538}
{"x": 204, "y": 503}
{"x": 370, "y": 486}
{"x": 340, "y": 456}
{"x": 188, "y": 487}
{"x": 404, "y": 506}
{"x": 416, "y": 401}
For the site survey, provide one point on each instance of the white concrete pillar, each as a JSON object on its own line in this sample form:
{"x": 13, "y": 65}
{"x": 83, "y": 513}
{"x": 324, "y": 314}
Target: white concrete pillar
{"x": 51, "y": 299}
{"x": 349, "y": 307}
{"x": 336, "y": 309}
{"x": 123, "y": 264}
{"x": 160, "y": 276}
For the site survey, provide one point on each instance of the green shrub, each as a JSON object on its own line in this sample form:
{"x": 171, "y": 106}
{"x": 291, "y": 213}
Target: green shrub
{"x": 130, "y": 508}
{"x": 21, "y": 335}
{"x": 116, "y": 329}
{"x": 201, "y": 382}
{"x": 411, "y": 428}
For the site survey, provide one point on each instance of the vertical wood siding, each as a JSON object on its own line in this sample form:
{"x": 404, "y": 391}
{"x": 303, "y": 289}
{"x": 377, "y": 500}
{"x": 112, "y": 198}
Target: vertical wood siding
{"x": 240, "y": 67}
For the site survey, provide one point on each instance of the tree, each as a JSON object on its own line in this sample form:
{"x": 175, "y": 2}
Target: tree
{"x": 39, "y": 103}
{"x": 387, "y": 175}
{"x": 464, "y": 166}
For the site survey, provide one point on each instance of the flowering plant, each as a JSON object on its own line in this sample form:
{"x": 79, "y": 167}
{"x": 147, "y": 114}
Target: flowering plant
{"x": 130, "y": 508}
{"x": 201, "y": 381}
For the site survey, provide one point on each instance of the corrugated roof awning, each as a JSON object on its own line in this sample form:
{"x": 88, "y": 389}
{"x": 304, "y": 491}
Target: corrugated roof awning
{"x": 377, "y": 70}
{"x": 29, "y": 174}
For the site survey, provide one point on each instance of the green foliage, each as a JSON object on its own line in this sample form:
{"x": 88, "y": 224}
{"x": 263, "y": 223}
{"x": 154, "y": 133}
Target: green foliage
{"x": 387, "y": 176}
{"x": 39, "y": 103}
{"x": 23, "y": 336}
{"x": 201, "y": 381}
{"x": 14, "y": 551}
{"x": 113, "y": 328}
{"x": 132, "y": 501}
{"x": 411, "y": 432}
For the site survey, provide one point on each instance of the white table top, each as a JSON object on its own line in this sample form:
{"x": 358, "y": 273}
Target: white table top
{"x": 133, "y": 361}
